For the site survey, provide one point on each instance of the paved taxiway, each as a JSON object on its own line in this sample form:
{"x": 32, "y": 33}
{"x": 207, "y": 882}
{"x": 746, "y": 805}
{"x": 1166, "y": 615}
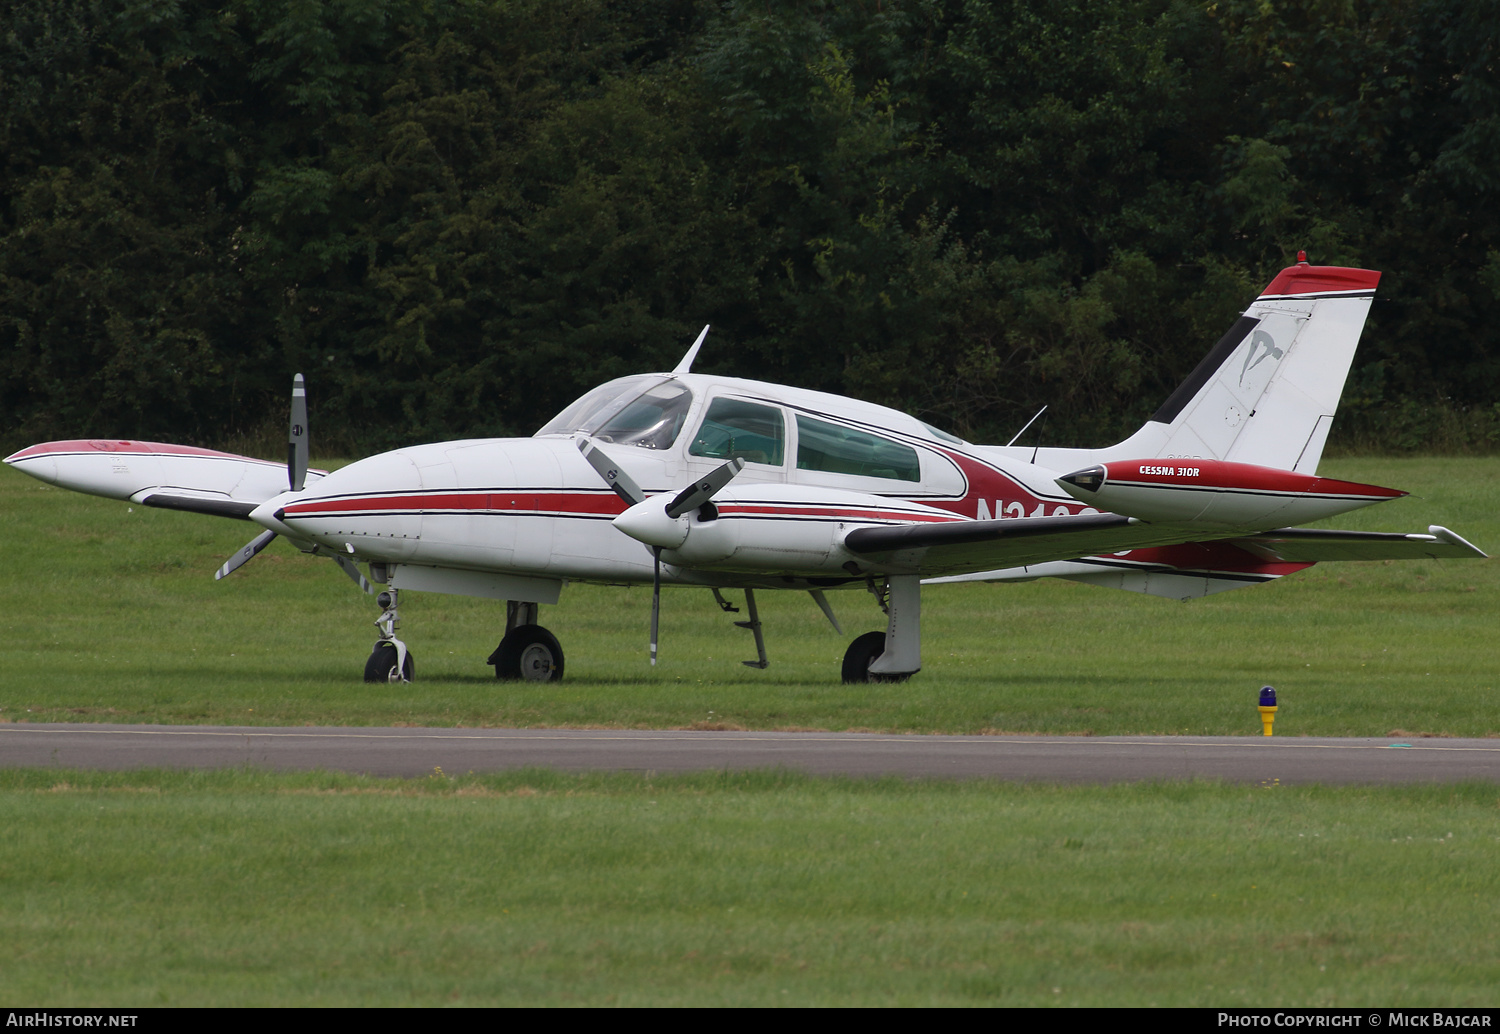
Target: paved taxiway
{"x": 412, "y": 752}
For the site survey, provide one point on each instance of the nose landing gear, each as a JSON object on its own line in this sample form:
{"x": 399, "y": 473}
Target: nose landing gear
{"x": 390, "y": 661}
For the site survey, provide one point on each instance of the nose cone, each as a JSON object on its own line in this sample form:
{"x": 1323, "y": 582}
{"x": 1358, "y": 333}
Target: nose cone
{"x": 268, "y": 513}
{"x": 648, "y": 522}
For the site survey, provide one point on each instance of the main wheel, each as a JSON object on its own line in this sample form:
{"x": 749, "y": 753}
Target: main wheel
{"x": 381, "y": 667}
{"x": 529, "y": 653}
{"x": 861, "y": 654}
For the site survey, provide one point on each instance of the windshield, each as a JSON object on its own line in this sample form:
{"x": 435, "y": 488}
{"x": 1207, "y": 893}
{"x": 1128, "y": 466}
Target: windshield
{"x": 644, "y": 411}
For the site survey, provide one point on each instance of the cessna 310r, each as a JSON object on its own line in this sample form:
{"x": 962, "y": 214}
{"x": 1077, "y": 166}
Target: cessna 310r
{"x": 687, "y": 479}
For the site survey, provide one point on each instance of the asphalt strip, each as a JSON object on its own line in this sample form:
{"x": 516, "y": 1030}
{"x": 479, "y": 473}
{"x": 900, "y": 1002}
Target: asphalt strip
{"x": 1069, "y": 759}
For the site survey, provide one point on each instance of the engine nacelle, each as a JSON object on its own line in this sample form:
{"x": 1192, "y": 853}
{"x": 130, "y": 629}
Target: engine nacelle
{"x": 780, "y": 528}
{"x": 1193, "y": 491}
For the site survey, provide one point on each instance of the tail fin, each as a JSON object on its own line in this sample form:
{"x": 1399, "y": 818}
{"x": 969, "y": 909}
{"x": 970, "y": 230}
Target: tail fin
{"x": 1267, "y": 392}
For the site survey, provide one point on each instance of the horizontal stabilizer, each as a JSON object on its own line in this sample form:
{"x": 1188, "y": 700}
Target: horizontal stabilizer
{"x": 1313, "y": 545}
{"x": 1195, "y": 569}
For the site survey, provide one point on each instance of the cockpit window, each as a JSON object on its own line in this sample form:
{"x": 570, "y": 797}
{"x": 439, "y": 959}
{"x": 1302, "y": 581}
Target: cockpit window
{"x": 744, "y": 429}
{"x": 646, "y": 412}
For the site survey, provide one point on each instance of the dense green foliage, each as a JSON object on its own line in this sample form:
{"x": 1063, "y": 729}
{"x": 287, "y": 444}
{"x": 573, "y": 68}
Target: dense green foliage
{"x": 456, "y": 216}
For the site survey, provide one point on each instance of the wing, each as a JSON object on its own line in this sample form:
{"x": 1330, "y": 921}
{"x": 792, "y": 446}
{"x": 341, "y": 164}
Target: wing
{"x": 962, "y": 547}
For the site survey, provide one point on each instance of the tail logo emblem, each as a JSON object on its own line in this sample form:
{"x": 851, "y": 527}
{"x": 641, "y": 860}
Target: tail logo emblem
{"x": 1260, "y": 340}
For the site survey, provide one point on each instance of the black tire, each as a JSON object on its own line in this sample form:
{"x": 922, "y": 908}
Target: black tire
{"x": 861, "y": 654}
{"x": 528, "y": 653}
{"x": 382, "y": 663}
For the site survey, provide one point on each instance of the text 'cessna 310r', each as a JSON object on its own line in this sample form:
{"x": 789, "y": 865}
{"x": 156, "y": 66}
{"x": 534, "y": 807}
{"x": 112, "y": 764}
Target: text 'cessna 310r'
{"x": 685, "y": 479}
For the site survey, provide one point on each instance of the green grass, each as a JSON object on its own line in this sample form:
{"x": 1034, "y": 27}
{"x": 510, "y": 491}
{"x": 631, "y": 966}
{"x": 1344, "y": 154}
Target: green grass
{"x": 247, "y": 888}
{"x": 114, "y": 616}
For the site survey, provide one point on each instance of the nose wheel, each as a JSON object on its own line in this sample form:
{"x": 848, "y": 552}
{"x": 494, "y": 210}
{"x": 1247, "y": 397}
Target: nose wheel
{"x": 385, "y": 665}
{"x": 390, "y": 661}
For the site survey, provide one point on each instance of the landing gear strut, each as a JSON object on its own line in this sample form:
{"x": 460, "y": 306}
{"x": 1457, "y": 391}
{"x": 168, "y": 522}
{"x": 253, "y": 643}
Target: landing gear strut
{"x": 528, "y": 653}
{"x": 390, "y": 661}
{"x": 894, "y": 655}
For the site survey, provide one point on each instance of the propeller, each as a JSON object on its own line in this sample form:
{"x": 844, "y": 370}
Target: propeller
{"x": 696, "y": 495}
{"x": 655, "y": 600}
{"x": 648, "y": 521}
{"x": 296, "y": 479}
{"x": 245, "y": 555}
{"x": 296, "y": 440}
{"x": 623, "y": 484}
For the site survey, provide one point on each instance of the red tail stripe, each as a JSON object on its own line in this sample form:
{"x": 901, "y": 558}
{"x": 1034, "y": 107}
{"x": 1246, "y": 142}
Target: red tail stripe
{"x": 1246, "y": 476}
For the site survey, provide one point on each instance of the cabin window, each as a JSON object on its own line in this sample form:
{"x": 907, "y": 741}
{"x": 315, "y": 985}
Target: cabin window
{"x": 842, "y": 450}
{"x": 734, "y": 428}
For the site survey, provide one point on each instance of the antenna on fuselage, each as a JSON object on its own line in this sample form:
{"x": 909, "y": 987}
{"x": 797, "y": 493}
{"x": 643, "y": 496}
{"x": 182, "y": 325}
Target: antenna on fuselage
{"x": 1023, "y": 430}
{"x": 686, "y": 365}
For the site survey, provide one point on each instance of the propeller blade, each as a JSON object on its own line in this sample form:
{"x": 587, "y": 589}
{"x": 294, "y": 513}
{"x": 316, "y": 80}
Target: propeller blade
{"x": 623, "y": 484}
{"x": 296, "y": 442}
{"x": 701, "y": 491}
{"x": 350, "y": 568}
{"x": 246, "y": 554}
{"x": 655, "y": 602}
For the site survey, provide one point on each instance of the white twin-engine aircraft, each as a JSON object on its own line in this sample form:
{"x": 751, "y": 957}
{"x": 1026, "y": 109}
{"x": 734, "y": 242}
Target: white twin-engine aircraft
{"x": 687, "y": 479}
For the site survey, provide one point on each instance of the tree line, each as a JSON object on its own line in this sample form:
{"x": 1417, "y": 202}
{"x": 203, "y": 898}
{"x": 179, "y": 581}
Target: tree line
{"x": 454, "y": 216}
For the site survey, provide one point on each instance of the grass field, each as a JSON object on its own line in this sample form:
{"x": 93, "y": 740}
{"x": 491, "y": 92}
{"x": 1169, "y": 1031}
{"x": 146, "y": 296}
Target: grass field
{"x": 114, "y": 616}
{"x": 245, "y": 888}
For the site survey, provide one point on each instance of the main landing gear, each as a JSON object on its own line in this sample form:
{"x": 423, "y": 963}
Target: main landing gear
{"x": 528, "y": 653}
{"x": 390, "y": 661}
{"x": 894, "y": 655}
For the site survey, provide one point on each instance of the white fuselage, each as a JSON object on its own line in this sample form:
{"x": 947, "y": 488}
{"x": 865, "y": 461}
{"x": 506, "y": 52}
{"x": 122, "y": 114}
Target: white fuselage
{"x": 534, "y": 507}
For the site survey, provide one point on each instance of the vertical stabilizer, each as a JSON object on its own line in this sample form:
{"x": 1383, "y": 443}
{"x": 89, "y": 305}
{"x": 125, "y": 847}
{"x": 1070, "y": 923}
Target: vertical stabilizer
{"x": 1267, "y": 392}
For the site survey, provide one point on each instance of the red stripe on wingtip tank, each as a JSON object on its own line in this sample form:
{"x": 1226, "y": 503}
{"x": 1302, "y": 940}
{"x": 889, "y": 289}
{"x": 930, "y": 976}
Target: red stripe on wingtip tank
{"x": 128, "y": 448}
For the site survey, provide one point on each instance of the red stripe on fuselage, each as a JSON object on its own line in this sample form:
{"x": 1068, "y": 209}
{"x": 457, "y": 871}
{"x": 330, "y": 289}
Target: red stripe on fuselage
{"x": 1001, "y": 494}
{"x": 836, "y": 513}
{"x": 590, "y": 504}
